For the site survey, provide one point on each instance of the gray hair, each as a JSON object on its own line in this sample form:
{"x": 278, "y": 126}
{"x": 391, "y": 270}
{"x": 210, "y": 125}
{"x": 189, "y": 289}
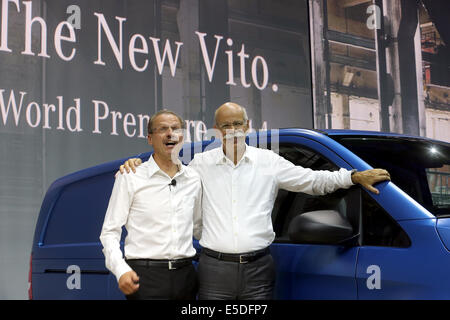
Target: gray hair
{"x": 163, "y": 111}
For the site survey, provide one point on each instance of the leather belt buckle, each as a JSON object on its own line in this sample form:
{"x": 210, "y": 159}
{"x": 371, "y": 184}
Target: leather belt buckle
{"x": 241, "y": 259}
{"x": 171, "y": 266}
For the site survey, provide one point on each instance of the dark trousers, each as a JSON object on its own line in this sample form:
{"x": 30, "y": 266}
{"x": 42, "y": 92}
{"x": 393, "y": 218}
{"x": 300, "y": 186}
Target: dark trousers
{"x": 157, "y": 283}
{"x": 224, "y": 280}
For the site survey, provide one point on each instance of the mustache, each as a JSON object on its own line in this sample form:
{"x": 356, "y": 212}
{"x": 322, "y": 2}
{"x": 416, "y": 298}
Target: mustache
{"x": 235, "y": 134}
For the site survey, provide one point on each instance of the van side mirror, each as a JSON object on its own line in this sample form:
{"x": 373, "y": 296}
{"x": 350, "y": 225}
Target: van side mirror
{"x": 320, "y": 227}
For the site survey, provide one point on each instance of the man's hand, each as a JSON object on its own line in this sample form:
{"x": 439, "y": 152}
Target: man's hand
{"x": 130, "y": 164}
{"x": 369, "y": 177}
{"x": 129, "y": 282}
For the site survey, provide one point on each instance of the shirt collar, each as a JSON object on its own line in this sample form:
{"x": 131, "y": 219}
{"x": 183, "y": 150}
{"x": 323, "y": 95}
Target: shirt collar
{"x": 153, "y": 167}
{"x": 222, "y": 158}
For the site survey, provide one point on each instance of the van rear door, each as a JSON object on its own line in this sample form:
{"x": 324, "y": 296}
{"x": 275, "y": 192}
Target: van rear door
{"x": 67, "y": 257}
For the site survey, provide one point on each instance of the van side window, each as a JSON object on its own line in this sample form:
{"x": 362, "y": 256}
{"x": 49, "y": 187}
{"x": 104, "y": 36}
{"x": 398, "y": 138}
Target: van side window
{"x": 378, "y": 228}
{"x": 290, "y": 204}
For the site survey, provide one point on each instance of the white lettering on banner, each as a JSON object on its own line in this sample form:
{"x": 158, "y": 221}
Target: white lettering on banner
{"x": 142, "y": 126}
{"x": 97, "y": 116}
{"x": 229, "y": 53}
{"x": 242, "y": 56}
{"x": 37, "y": 112}
{"x": 132, "y": 50}
{"x": 33, "y": 112}
{"x": 5, "y": 11}
{"x": 138, "y": 45}
{"x": 128, "y": 120}
{"x": 77, "y": 111}
{"x": 103, "y": 113}
{"x": 115, "y": 115}
{"x": 59, "y": 38}
{"x": 47, "y": 108}
{"x": 11, "y": 102}
{"x": 117, "y": 50}
{"x": 28, "y": 25}
{"x": 200, "y": 130}
{"x": 168, "y": 52}
{"x": 265, "y": 72}
{"x": 60, "y": 112}
{"x": 129, "y": 124}
{"x": 189, "y": 124}
{"x": 17, "y": 108}
{"x": 208, "y": 66}
{"x": 37, "y": 22}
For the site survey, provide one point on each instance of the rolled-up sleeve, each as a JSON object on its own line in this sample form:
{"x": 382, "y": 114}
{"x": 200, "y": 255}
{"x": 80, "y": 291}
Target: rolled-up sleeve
{"x": 314, "y": 182}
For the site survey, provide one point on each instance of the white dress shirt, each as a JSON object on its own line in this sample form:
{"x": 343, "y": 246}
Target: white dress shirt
{"x": 160, "y": 219}
{"x": 238, "y": 199}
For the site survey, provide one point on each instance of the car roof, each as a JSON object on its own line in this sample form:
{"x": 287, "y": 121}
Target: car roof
{"x": 358, "y": 133}
{"x": 319, "y": 134}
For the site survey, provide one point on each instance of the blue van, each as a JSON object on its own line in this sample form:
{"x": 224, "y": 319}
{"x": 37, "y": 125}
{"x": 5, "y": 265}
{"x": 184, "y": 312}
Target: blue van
{"x": 351, "y": 244}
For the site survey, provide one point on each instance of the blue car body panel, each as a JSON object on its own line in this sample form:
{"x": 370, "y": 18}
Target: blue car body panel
{"x": 417, "y": 272}
{"x": 314, "y": 271}
{"x": 443, "y": 227}
{"x": 71, "y": 216}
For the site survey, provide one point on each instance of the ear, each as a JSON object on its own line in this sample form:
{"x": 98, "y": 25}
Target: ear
{"x": 149, "y": 139}
{"x": 247, "y": 126}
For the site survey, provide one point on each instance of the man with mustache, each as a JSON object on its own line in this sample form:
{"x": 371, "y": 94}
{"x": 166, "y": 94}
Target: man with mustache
{"x": 160, "y": 208}
{"x": 240, "y": 186}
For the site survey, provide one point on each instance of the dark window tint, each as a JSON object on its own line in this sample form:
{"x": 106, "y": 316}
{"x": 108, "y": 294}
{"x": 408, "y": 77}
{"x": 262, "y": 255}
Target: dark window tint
{"x": 379, "y": 229}
{"x": 419, "y": 167}
{"x": 290, "y": 204}
{"x": 305, "y": 157}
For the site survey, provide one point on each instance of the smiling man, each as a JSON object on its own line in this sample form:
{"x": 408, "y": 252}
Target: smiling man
{"x": 160, "y": 208}
{"x": 240, "y": 185}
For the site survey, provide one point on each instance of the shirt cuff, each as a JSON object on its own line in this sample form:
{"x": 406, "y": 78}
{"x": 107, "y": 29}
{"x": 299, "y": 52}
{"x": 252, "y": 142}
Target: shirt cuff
{"x": 350, "y": 182}
{"x": 122, "y": 268}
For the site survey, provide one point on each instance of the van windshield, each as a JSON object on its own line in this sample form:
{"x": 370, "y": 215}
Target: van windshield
{"x": 421, "y": 168}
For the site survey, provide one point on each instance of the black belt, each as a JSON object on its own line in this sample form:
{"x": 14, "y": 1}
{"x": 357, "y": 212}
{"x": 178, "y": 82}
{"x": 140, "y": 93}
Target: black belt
{"x": 168, "y": 264}
{"x": 237, "y": 257}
